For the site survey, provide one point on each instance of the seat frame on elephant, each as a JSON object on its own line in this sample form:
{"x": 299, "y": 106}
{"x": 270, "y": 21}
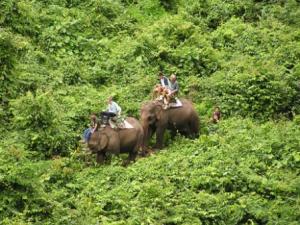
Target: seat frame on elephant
{"x": 112, "y": 120}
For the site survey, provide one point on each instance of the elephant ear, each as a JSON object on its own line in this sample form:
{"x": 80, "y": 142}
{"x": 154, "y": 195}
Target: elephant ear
{"x": 103, "y": 141}
{"x": 158, "y": 112}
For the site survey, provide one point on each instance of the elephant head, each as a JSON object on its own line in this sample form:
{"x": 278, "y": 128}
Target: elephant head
{"x": 152, "y": 116}
{"x": 98, "y": 141}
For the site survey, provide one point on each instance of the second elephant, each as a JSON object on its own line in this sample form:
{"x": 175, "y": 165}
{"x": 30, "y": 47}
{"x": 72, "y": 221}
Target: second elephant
{"x": 155, "y": 119}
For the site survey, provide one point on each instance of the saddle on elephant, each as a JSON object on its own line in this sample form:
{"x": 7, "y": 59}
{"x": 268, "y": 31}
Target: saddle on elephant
{"x": 173, "y": 102}
{"x": 163, "y": 95}
{"x": 114, "y": 121}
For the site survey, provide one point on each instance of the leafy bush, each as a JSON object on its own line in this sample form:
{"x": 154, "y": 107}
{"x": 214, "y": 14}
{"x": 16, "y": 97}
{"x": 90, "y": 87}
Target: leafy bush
{"x": 5, "y": 8}
{"x": 22, "y": 195}
{"x": 60, "y": 60}
{"x": 10, "y": 49}
{"x": 41, "y": 124}
{"x": 261, "y": 96}
{"x": 243, "y": 172}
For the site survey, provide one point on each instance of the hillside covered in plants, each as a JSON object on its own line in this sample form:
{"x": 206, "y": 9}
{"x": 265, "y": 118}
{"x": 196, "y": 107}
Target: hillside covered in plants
{"x": 61, "y": 59}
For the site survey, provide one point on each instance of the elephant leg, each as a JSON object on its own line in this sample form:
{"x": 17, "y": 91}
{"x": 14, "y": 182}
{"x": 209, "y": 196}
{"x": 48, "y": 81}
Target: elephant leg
{"x": 100, "y": 157}
{"x": 144, "y": 151}
{"x": 187, "y": 131}
{"x": 173, "y": 133}
{"x": 147, "y": 138}
{"x": 159, "y": 138}
{"x": 193, "y": 131}
{"x": 131, "y": 157}
{"x": 107, "y": 158}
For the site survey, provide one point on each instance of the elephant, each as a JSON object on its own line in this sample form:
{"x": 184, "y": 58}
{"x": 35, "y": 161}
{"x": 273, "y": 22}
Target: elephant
{"x": 156, "y": 119}
{"x": 110, "y": 140}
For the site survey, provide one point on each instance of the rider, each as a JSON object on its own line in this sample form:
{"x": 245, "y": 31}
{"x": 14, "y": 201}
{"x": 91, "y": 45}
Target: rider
{"x": 164, "y": 81}
{"x": 172, "y": 91}
{"x": 113, "y": 107}
{"x": 114, "y": 113}
{"x": 173, "y": 86}
{"x": 157, "y": 92}
{"x": 93, "y": 126}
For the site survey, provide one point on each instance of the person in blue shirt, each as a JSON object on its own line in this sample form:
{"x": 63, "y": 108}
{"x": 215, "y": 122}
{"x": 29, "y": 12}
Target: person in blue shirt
{"x": 93, "y": 126}
{"x": 170, "y": 91}
{"x": 164, "y": 81}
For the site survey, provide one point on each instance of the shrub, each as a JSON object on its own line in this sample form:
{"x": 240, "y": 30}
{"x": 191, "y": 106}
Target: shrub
{"x": 261, "y": 95}
{"x": 41, "y": 123}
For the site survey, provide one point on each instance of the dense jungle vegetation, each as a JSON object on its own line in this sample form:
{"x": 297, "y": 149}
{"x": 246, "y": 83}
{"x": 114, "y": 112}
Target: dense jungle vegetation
{"x": 61, "y": 59}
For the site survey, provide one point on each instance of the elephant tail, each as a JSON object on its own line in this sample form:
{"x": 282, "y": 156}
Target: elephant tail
{"x": 195, "y": 127}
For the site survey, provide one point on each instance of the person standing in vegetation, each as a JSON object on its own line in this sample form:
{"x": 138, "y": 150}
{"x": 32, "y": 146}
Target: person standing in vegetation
{"x": 216, "y": 116}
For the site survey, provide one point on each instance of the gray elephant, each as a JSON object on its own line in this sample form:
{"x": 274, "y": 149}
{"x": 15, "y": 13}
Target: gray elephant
{"x": 108, "y": 140}
{"x": 155, "y": 119}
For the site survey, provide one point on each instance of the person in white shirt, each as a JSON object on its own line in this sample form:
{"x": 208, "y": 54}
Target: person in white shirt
{"x": 173, "y": 86}
{"x": 113, "y": 107}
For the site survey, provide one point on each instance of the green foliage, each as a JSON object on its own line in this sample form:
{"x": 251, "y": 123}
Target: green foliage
{"x": 104, "y": 42}
{"x": 242, "y": 173}
{"x": 59, "y": 62}
{"x": 261, "y": 96}
{"x": 40, "y": 121}
{"x": 10, "y": 48}
{"x": 259, "y": 79}
{"x": 21, "y": 193}
{"x": 5, "y": 8}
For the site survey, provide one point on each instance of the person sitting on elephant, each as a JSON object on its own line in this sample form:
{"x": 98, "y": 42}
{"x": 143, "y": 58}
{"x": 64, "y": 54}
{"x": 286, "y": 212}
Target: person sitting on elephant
{"x": 161, "y": 93}
{"x": 173, "y": 86}
{"x": 172, "y": 91}
{"x": 164, "y": 81}
{"x": 93, "y": 126}
{"x": 105, "y": 118}
{"x": 166, "y": 96}
{"x": 157, "y": 92}
{"x": 113, "y": 107}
